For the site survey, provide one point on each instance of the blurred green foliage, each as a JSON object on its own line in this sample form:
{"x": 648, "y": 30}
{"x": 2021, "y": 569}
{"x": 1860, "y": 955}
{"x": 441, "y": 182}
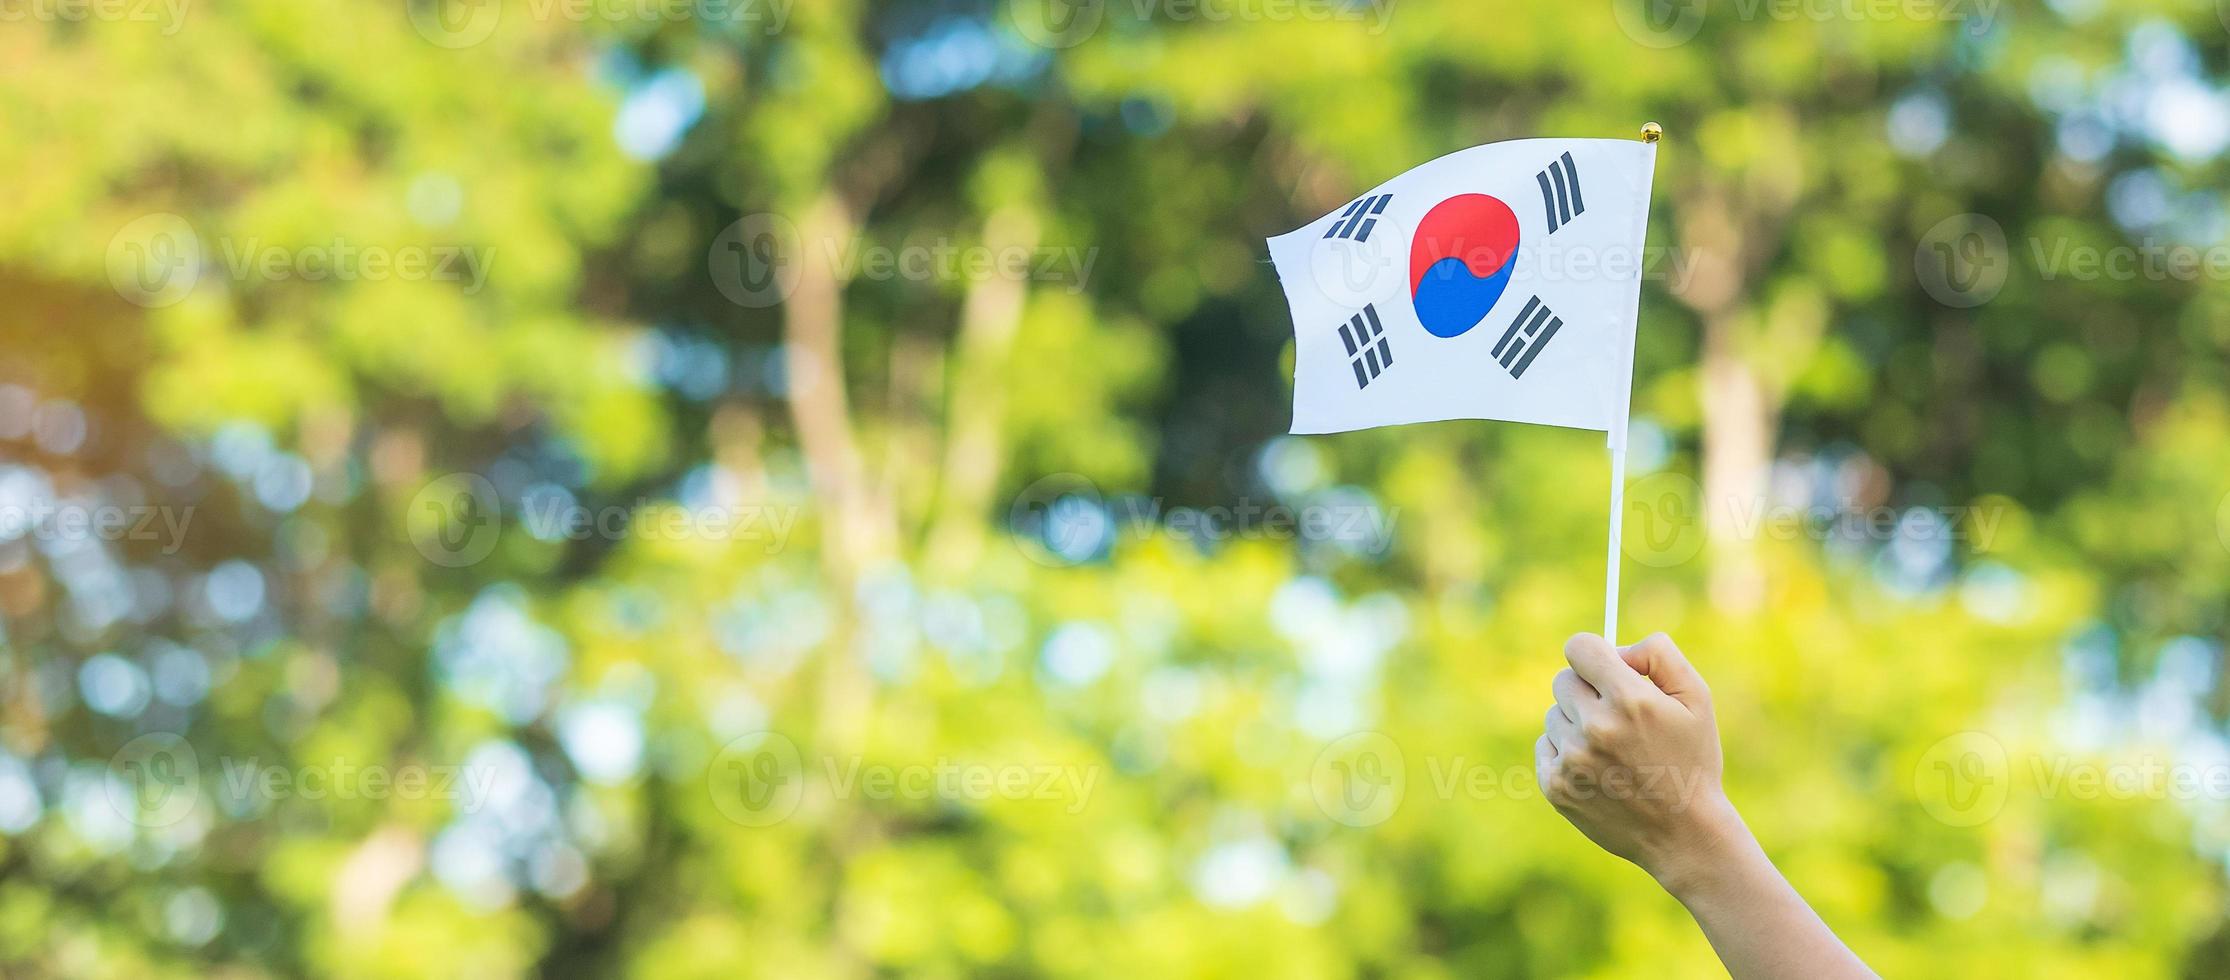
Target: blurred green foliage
{"x": 592, "y": 695}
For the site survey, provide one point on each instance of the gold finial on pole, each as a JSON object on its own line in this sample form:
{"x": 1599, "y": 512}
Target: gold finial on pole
{"x": 1651, "y": 132}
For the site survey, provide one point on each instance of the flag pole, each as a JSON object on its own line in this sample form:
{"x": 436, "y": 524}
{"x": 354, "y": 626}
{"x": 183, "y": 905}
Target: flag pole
{"x": 1651, "y": 133}
{"x": 1618, "y": 511}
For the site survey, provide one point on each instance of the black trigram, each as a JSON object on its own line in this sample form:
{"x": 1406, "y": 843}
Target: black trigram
{"x": 1527, "y": 335}
{"x": 1365, "y": 338}
{"x": 1560, "y": 191}
{"x": 1360, "y": 217}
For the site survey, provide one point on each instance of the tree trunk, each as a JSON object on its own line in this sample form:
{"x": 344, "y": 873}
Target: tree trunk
{"x": 1738, "y": 433}
{"x": 857, "y": 529}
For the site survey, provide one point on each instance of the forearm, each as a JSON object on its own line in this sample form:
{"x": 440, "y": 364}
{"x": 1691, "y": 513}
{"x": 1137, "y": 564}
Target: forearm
{"x": 1757, "y": 923}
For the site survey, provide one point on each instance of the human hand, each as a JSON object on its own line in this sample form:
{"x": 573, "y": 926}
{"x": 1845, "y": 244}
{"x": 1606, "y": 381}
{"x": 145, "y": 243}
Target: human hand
{"x": 1631, "y": 757}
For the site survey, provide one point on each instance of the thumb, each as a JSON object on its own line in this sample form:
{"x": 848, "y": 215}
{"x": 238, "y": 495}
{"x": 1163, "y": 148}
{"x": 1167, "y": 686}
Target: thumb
{"x": 1669, "y": 669}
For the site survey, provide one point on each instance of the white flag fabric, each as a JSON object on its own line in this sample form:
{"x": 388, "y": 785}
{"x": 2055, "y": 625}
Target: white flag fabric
{"x": 1498, "y": 282}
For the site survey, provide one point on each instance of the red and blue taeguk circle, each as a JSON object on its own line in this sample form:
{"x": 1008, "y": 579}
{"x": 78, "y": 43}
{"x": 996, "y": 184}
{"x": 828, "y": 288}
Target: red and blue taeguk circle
{"x": 1460, "y": 262}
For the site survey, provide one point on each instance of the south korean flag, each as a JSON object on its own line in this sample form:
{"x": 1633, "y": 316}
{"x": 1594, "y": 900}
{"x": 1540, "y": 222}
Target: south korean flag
{"x": 1498, "y": 282}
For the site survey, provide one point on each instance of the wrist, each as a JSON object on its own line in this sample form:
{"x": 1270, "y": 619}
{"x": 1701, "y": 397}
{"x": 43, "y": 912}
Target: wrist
{"x": 1715, "y": 848}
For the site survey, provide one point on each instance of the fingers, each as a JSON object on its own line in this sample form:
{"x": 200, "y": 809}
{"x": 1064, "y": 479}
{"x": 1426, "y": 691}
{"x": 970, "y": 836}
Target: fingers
{"x": 1544, "y": 761}
{"x": 1635, "y": 657}
{"x": 1574, "y": 697}
{"x": 1598, "y": 663}
{"x": 1669, "y": 669}
{"x": 1563, "y": 733}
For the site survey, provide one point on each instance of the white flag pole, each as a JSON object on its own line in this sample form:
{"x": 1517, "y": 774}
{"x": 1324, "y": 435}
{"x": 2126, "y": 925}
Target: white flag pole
{"x": 1651, "y": 133}
{"x": 1618, "y": 510}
